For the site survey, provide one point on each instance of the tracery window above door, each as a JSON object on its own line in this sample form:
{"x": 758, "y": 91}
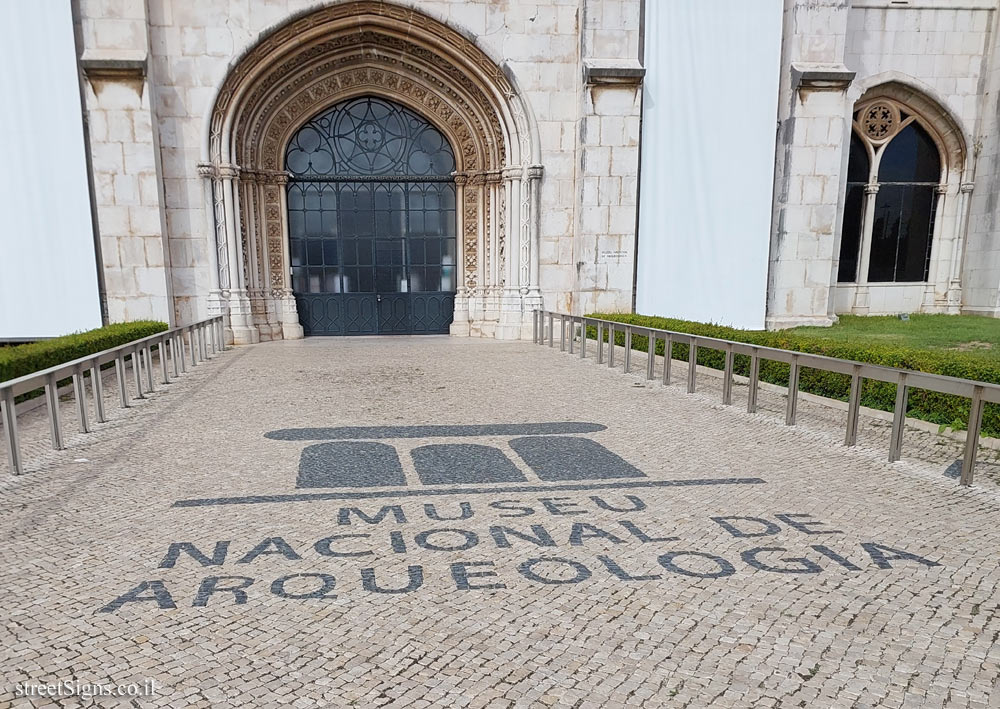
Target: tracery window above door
{"x": 891, "y": 203}
{"x": 369, "y": 137}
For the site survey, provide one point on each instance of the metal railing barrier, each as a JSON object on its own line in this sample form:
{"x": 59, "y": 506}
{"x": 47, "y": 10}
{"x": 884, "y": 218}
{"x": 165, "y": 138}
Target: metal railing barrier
{"x": 978, "y": 393}
{"x": 203, "y": 339}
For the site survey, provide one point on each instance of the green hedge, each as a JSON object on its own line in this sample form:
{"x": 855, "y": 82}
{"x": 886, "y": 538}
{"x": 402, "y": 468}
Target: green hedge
{"x": 19, "y": 360}
{"x": 930, "y": 406}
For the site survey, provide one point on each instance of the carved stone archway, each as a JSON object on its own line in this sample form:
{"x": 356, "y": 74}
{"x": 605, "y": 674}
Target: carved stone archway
{"x": 371, "y": 48}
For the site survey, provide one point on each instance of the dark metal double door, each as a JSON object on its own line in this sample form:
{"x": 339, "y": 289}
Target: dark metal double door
{"x": 373, "y": 257}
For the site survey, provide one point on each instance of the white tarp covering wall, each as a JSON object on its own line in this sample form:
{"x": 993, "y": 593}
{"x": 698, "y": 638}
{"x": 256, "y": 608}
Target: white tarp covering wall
{"x": 48, "y": 272}
{"x": 710, "y": 105}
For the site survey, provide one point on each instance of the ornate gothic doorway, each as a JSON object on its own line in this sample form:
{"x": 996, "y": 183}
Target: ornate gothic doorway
{"x": 371, "y": 221}
{"x": 439, "y": 215}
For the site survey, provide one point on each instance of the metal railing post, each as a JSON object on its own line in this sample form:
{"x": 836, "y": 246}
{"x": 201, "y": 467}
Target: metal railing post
{"x": 898, "y": 420}
{"x": 161, "y": 347}
{"x": 611, "y": 345}
{"x": 692, "y": 366}
{"x": 8, "y": 414}
{"x": 534, "y": 326}
{"x": 148, "y": 359}
{"x": 562, "y": 333}
{"x": 583, "y": 338}
{"x": 853, "y": 408}
{"x": 52, "y": 404}
{"x": 191, "y": 345}
{"x": 600, "y": 342}
{"x": 572, "y": 333}
{"x": 628, "y": 349}
{"x": 793, "y": 392}
{"x": 122, "y": 383}
{"x": 97, "y": 385}
{"x": 727, "y": 382}
{"x": 754, "y": 383}
{"x": 174, "y": 359}
{"x": 179, "y": 339}
{"x": 668, "y": 357}
{"x": 972, "y": 436}
{"x": 650, "y": 355}
{"x": 137, "y": 374}
{"x": 80, "y": 393}
{"x": 552, "y": 333}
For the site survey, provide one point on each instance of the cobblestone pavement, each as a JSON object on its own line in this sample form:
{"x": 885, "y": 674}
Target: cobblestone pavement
{"x": 270, "y": 530}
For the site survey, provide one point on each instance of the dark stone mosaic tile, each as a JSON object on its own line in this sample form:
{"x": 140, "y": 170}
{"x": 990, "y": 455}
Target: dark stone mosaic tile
{"x": 349, "y": 464}
{"x": 459, "y": 463}
{"x": 566, "y": 458}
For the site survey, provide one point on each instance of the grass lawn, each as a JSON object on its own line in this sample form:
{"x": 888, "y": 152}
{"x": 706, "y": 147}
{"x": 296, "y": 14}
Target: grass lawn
{"x": 979, "y": 336}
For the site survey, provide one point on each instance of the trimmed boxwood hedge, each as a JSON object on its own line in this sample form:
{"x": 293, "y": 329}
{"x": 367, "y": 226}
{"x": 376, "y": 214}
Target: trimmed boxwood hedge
{"x": 20, "y": 360}
{"x": 943, "y": 409}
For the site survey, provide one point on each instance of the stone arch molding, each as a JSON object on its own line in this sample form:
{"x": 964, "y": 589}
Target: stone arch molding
{"x": 354, "y": 49}
{"x": 930, "y": 110}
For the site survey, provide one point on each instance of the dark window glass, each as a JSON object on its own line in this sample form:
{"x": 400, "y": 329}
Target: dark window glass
{"x": 314, "y": 252}
{"x": 314, "y": 224}
{"x": 366, "y": 280}
{"x": 417, "y": 247}
{"x": 858, "y": 168}
{"x": 315, "y": 276}
{"x": 901, "y": 233}
{"x": 366, "y": 252}
{"x": 911, "y": 156}
{"x": 903, "y": 225}
{"x": 858, "y": 165}
{"x": 432, "y": 279}
{"x": 330, "y": 252}
{"x": 331, "y": 283}
{"x": 298, "y": 252}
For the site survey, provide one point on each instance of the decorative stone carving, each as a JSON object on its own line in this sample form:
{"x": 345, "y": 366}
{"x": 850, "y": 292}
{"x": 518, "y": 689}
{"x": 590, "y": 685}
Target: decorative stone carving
{"x": 879, "y": 120}
{"x": 374, "y": 48}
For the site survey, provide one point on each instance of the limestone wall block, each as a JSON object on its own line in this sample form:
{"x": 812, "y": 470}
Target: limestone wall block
{"x": 139, "y": 158}
{"x": 107, "y": 157}
{"x": 126, "y": 190}
{"x": 621, "y": 219}
{"x": 113, "y": 221}
{"x": 144, "y": 221}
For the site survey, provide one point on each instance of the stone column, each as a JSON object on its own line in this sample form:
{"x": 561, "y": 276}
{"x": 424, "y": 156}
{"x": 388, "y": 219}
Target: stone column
{"x": 493, "y": 280}
{"x": 937, "y": 279}
{"x": 474, "y": 196}
{"x": 243, "y": 330}
{"x": 217, "y": 303}
{"x": 958, "y": 250}
{"x": 460, "y": 323}
{"x": 511, "y": 301}
{"x": 861, "y": 294}
{"x": 533, "y": 297}
{"x": 288, "y": 312}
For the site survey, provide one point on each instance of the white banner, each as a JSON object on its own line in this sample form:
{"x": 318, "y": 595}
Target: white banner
{"x": 710, "y": 109}
{"x": 48, "y": 276}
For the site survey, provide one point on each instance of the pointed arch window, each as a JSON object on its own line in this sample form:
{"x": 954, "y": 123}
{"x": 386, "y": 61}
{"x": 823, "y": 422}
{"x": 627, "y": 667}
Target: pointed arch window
{"x": 890, "y": 207}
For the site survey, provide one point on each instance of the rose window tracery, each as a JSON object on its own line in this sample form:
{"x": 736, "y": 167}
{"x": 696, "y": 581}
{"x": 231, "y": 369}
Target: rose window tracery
{"x": 880, "y": 121}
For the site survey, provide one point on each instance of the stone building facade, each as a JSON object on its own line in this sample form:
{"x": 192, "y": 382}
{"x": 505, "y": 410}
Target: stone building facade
{"x": 190, "y": 108}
